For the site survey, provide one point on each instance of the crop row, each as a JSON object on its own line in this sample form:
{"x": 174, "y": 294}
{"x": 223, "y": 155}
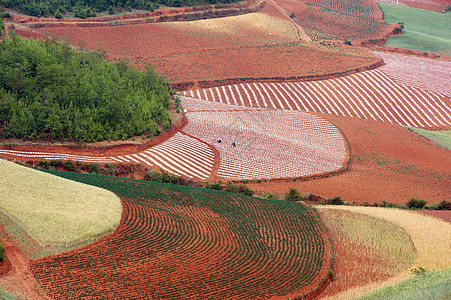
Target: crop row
{"x": 181, "y": 155}
{"x": 429, "y": 74}
{"x": 183, "y": 243}
{"x": 263, "y": 143}
{"x": 368, "y": 95}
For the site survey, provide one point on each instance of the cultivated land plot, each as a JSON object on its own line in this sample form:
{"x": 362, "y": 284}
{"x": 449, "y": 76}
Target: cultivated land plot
{"x": 366, "y": 95}
{"x": 54, "y": 210}
{"x": 182, "y": 243}
{"x": 365, "y": 249}
{"x": 430, "y": 236}
{"x": 268, "y": 143}
{"x": 349, "y": 19}
{"x": 388, "y": 163}
{"x": 181, "y": 155}
{"x": 261, "y": 44}
{"x": 423, "y": 30}
{"x": 428, "y": 74}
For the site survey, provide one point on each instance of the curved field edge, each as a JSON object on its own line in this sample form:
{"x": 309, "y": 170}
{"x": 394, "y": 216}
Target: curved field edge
{"x": 53, "y": 210}
{"x": 428, "y": 285}
{"x": 442, "y": 138}
{"x": 365, "y": 249}
{"x": 423, "y": 30}
{"x": 181, "y": 242}
{"x": 430, "y": 236}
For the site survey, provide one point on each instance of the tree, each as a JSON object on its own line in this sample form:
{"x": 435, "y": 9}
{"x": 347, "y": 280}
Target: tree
{"x": 58, "y": 14}
{"x": 416, "y": 203}
{"x": 293, "y": 195}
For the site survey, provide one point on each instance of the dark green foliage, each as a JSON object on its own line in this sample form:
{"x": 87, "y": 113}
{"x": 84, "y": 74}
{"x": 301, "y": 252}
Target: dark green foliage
{"x": 49, "y": 91}
{"x": 69, "y": 165}
{"x": 162, "y": 176}
{"x": 216, "y": 185}
{"x": 238, "y": 188}
{"x": 58, "y": 14}
{"x": 293, "y": 195}
{"x": 88, "y": 8}
{"x": 2, "y": 26}
{"x": 418, "y": 271}
{"x": 2, "y": 252}
{"x": 94, "y": 168}
{"x": 348, "y": 42}
{"x": 335, "y": 201}
{"x": 416, "y": 203}
{"x": 444, "y": 205}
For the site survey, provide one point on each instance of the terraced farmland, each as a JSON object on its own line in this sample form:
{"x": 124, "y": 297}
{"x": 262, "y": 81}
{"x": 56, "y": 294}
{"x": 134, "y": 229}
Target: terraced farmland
{"x": 428, "y": 74}
{"x": 181, "y": 155}
{"x": 268, "y": 143}
{"x": 183, "y": 243}
{"x": 367, "y": 95}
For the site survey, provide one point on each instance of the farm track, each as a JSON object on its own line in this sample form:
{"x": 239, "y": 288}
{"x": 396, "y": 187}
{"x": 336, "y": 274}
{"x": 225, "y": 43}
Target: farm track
{"x": 181, "y": 243}
{"x": 367, "y": 95}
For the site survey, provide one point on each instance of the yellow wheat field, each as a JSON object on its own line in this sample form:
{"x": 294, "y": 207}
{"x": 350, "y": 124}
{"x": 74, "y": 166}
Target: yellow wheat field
{"x": 431, "y": 237}
{"x": 53, "y": 210}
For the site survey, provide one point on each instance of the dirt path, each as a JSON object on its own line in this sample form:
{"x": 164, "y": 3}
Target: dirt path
{"x": 301, "y": 33}
{"x": 20, "y": 276}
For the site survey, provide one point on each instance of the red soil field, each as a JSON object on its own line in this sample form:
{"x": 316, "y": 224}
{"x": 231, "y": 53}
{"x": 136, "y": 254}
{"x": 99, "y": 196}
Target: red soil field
{"x": 388, "y": 163}
{"x": 218, "y": 50}
{"x": 356, "y": 20}
{"x": 180, "y": 243}
{"x": 441, "y": 214}
{"x": 432, "y": 5}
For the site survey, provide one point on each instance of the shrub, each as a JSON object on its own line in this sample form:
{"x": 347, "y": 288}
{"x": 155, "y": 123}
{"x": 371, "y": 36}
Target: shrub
{"x": 293, "y": 15}
{"x": 444, "y": 205}
{"x": 348, "y": 42}
{"x": 293, "y": 195}
{"x": 269, "y": 196}
{"x": 331, "y": 275}
{"x": 216, "y": 185}
{"x": 56, "y": 163}
{"x": 58, "y": 14}
{"x": 335, "y": 201}
{"x": 418, "y": 271}
{"x": 2, "y": 252}
{"x": 416, "y": 203}
{"x": 162, "y": 176}
{"x": 94, "y": 168}
{"x": 238, "y": 188}
{"x": 43, "y": 164}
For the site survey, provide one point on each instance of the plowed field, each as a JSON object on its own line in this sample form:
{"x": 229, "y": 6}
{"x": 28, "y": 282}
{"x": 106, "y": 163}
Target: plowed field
{"x": 367, "y": 95}
{"x": 388, "y": 163}
{"x": 263, "y": 44}
{"x": 268, "y": 143}
{"x": 184, "y": 243}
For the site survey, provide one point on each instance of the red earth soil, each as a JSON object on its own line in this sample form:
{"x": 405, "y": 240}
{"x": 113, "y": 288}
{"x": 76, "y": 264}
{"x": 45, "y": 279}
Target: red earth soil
{"x": 441, "y": 214}
{"x": 388, "y": 163}
{"x": 196, "y": 54}
{"x": 343, "y": 19}
{"x": 432, "y": 5}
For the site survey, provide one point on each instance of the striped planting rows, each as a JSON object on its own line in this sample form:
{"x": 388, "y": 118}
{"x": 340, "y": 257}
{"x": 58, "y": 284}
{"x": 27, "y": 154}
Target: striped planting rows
{"x": 369, "y": 95}
{"x": 176, "y": 242}
{"x": 429, "y": 74}
{"x": 181, "y": 155}
{"x": 268, "y": 143}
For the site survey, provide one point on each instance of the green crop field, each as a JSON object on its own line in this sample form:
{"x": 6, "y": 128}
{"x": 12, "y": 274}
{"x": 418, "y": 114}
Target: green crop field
{"x": 428, "y": 285}
{"x": 423, "y": 30}
{"x": 442, "y": 138}
{"x": 54, "y": 210}
{"x": 178, "y": 242}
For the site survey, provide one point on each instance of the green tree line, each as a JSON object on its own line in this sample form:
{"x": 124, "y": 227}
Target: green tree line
{"x": 89, "y": 8}
{"x": 49, "y": 91}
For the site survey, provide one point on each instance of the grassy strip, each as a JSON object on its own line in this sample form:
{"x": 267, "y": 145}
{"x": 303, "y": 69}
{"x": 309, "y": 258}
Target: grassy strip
{"x": 428, "y": 285}
{"x": 54, "y": 210}
{"x": 5, "y": 295}
{"x": 423, "y": 30}
{"x": 442, "y": 138}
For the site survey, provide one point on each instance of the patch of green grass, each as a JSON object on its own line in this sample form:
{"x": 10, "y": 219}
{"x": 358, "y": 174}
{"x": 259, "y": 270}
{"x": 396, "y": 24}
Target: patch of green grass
{"x": 4, "y": 295}
{"x": 442, "y": 138}
{"x": 427, "y": 285}
{"x": 54, "y": 210}
{"x": 423, "y": 30}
